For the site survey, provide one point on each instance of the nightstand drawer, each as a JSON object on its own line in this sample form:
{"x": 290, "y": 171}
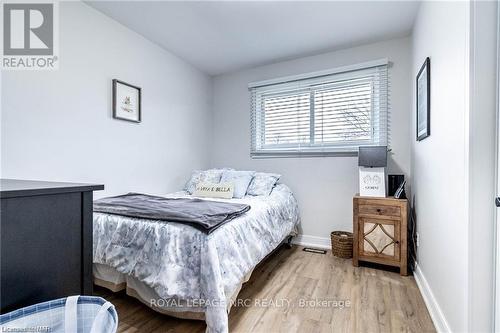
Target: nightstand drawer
{"x": 380, "y": 210}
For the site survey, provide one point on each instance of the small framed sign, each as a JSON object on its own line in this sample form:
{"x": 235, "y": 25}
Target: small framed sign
{"x": 424, "y": 101}
{"x": 126, "y": 101}
{"x": 372, "y": 182}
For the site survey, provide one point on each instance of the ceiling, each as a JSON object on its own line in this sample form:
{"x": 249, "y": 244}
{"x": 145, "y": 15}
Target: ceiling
{"x": 221, "y": 36}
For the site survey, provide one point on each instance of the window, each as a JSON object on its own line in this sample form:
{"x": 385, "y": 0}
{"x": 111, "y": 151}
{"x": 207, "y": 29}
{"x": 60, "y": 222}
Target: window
{"x": 320, "y": 114}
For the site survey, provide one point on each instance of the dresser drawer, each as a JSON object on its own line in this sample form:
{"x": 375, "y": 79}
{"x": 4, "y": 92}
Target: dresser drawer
{"x": 380, "y": 210}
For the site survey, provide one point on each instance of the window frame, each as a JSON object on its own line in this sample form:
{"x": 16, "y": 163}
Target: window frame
{"x": 379, "y": 110}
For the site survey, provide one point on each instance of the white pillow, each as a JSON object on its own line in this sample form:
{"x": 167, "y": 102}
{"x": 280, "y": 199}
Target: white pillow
{"x": 263, "y": 183}
{"x": 199, "y": 176}
{"x": 211, "y": 190}
{"x": 240, "y": 179}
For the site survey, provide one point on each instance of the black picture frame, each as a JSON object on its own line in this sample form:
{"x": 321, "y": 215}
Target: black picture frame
{"x": 423, "y": 83}
{"x": 117, "y": 82}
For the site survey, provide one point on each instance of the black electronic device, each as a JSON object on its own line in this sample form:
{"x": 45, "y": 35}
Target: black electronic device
{"x": 394, "y": 181}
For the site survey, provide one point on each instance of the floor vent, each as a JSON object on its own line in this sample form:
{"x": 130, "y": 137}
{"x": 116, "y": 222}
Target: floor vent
{"x": 310, "y": 249}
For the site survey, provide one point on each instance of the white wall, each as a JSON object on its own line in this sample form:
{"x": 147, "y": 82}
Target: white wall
{"x": 324, "y": 186}
{"x": 58, "y": 125}
{"x": 440, "y": 162}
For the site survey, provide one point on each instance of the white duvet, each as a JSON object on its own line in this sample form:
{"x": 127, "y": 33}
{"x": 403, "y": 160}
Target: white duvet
{"x": 184, "y": 264}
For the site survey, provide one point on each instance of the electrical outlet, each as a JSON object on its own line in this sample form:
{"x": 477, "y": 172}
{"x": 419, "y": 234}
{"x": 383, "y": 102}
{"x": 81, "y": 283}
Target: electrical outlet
{"x": 418, "y": 240}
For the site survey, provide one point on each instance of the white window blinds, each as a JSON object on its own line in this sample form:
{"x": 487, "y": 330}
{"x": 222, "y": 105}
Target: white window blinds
{"x": 322, "y": 114}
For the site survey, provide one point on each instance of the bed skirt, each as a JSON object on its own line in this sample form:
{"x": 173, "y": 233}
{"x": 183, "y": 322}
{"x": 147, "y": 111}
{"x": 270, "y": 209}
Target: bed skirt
{"x": 109, "y": 278}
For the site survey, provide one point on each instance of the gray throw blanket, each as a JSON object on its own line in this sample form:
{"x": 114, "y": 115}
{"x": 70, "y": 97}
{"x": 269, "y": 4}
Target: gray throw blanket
{"x": 204, "y": 215}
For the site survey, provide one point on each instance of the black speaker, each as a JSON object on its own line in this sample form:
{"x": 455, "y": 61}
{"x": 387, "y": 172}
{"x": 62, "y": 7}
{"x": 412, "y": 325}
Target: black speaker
{"x": 394, "y": 181}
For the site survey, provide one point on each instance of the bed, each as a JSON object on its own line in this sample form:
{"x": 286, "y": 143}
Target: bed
{"x": 181, "y": 271}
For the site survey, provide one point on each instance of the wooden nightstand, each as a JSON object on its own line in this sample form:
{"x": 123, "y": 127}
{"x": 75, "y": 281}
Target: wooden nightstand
{"x": 380, "y": 231}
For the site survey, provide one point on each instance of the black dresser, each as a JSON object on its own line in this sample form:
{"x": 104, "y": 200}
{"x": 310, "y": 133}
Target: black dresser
{"x": 45, "y": 241}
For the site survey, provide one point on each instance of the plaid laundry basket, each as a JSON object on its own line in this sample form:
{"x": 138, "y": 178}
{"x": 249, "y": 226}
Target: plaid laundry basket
{"x": 74, "y": 314}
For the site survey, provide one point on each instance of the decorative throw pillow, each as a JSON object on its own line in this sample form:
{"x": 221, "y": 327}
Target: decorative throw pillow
{"x": 211, "y": 190}
{"x": 199, "y": 176}
{"x": 240, "y": 179}
{"x": 263, "y": 183}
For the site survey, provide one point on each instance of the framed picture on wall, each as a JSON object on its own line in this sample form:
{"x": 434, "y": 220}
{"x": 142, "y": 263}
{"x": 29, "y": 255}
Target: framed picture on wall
{"x": 424, "y": 101}
{"x": 126, "y": 101}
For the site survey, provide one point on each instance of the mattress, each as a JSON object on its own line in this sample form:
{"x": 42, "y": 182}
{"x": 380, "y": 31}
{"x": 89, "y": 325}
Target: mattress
{"x": 170, "y": 263}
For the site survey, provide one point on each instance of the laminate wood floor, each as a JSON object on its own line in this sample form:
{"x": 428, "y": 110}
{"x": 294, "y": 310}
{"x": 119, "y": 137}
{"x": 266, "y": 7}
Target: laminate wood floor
{"x": 375, "y": 300}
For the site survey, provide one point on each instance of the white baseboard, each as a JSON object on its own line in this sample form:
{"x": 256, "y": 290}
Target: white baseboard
{"x": 312, "y": 241}
{"x": 435, "y": 311}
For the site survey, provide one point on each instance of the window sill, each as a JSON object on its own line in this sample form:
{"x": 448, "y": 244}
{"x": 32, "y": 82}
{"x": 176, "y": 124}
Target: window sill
{"x": 304, "y": 154}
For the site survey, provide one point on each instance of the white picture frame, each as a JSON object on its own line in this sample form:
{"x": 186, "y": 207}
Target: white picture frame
{"x": 372, "y": 182}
